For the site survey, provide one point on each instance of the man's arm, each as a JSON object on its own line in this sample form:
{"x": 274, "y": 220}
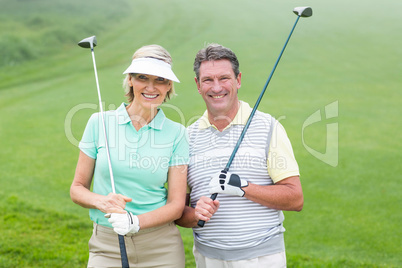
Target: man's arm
{"x": 188, "y": 219}
{"x": 286, "y": 194}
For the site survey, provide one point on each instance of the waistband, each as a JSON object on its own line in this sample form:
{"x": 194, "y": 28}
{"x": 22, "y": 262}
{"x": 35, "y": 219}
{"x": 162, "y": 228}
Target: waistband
{"x": 108, "y": 230}
{"x": 274, "y": 245}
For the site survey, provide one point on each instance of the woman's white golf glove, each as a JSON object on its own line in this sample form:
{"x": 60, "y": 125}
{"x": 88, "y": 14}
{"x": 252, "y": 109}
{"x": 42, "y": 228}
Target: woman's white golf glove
{"x": 227, "y": 183}
{"x": 124, "y": 223}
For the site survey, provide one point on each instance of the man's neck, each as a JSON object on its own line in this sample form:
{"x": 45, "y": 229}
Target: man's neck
{"x": 221, "y": 121}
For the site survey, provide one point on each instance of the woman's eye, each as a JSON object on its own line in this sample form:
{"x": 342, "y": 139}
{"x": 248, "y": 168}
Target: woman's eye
{"x": 162, "y": 80}
{"x": 142, "y": 77}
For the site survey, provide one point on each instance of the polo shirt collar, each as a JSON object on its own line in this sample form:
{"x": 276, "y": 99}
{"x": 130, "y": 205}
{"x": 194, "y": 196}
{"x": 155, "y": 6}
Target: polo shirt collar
{"x": 240, "y": 119}
{"x": 159, "y": 119}
{"x": 124, "y": 118}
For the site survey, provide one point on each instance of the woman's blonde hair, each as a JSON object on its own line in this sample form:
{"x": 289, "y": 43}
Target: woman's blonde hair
{"x": 149, "y": 51}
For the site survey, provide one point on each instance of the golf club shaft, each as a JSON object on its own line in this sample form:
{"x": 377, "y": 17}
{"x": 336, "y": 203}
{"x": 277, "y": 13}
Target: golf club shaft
{"x": 122, "y": 244}
{"x": 103, "y": 122}
{"x": 243, "y": 133}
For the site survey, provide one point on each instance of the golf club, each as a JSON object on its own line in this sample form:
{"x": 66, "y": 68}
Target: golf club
{"x": 300, "y": 12}
{"x": 90, "y": 42}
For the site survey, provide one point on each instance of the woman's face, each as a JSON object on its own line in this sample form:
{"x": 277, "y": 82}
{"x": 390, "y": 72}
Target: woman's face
{"x": 149, "y": 90}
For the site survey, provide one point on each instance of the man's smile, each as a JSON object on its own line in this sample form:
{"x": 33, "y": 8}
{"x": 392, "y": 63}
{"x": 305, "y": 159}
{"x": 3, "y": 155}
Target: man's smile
{"x": 218, "y": 96}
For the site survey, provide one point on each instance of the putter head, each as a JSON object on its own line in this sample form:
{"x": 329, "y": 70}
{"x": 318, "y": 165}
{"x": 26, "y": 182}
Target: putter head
{"x": 303, "y": 11}
{"x": 89, "y": 42}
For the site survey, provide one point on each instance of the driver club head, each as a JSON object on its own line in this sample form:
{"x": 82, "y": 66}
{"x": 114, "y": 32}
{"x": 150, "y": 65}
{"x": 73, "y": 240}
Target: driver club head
{"x": 303, "y": 11}
{"x": 89, "y": 42}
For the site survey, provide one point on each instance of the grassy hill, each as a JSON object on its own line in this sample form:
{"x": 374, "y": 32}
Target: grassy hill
{"x": 345, "y": 58}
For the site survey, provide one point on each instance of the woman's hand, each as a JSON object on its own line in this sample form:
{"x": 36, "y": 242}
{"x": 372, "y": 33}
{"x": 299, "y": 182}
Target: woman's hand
{"x": 113, "y": 203}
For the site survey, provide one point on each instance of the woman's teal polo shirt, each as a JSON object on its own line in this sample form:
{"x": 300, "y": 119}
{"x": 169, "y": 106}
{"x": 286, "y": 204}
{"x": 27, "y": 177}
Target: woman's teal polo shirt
{"x": 140, "y": 159}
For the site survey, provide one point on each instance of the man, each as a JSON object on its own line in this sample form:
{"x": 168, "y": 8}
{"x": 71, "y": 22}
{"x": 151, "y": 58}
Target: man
{"x": 244, "y": 225}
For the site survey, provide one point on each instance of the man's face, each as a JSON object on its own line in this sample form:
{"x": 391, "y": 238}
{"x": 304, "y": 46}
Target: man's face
{"x": 218, "y": 87}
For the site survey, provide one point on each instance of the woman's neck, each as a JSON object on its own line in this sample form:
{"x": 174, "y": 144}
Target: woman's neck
{"x": 140, "y": 116}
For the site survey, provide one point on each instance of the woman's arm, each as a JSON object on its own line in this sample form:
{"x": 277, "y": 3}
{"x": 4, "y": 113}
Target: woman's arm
{"x": 177, "y": 186}
{"x": 81, "y": 194}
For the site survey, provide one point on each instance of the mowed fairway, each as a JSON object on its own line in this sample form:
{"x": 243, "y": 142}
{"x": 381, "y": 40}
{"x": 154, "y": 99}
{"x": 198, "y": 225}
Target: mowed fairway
{"x": 339, "y": 81}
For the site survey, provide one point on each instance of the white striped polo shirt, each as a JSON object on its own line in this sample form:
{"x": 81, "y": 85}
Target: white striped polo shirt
{"x": 240, "y": 229}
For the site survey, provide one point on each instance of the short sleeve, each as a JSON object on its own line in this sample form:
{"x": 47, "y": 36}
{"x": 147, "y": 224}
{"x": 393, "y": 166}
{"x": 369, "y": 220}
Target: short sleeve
{"x": 281, "y": 160}
{"x": 89, "y": 141}
{"x": 180, "y": 155}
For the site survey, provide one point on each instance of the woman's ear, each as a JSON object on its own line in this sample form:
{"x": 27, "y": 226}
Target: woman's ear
{"x": 129, "y": 82}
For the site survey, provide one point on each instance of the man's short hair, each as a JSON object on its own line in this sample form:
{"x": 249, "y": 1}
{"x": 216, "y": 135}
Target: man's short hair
{"x": 215, "y": 52}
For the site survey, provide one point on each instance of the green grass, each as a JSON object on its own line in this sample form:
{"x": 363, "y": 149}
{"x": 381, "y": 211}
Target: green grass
{"x": 35, "y": 237}
{"x": 347, "y": 52}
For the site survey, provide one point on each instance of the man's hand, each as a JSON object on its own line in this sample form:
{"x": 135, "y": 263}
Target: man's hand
{"x": 205, "y": 208}
{"x": 124, "y": 223}
{"x": 227, "y": 183}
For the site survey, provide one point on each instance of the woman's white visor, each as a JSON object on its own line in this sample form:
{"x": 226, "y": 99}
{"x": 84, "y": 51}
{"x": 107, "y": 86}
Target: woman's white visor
{"x": 151, "y": 66}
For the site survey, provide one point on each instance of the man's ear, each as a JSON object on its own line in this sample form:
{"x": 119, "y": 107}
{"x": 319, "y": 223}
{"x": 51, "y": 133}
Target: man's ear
{"x": 238, "y": 79}
{"x": 198, "y": 84}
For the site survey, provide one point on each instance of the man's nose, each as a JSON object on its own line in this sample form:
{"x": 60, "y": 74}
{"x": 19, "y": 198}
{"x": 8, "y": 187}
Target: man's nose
{"x": 216, "y": 86}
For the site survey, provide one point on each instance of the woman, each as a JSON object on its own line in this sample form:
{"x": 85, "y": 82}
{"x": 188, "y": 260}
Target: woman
{"x": 147, "y": 150}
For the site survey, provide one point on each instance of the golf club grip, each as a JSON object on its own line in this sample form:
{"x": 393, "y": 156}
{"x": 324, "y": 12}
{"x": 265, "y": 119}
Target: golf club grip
{"x": 123, "y": 252}
{"x": 200, "y": 222}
